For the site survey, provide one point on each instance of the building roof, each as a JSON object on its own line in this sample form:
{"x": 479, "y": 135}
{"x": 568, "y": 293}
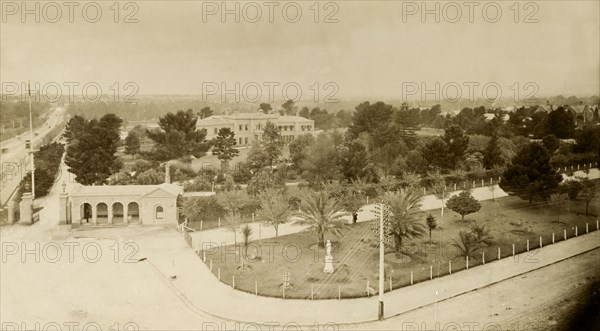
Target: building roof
{"x": 299, "y": 119}
{"x": 121, "y": 190}
{"x": 214, "y": 120}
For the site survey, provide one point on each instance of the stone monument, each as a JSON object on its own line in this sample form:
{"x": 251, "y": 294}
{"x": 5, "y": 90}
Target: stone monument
{"x": 328, "y": 259}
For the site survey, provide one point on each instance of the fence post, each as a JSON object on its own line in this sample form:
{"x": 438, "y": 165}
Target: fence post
{"x": 528, "y": 245}
{"x": 450, "y": 267}
{"x": 339, "y": 292}
{"x": 597, "y": 225}
{"x": 467, "y": 262}
{"x": 204, "y": 256}
{"x": 482, "y": 183}
{"x": 256, "y": 288}
{"x": 565, "y": 233}
{"x": 430, "y": 272}
{"x": 491, "y": 181}
{"x": 312, "y": 291}
{"x": 499, "y": 255}
{"x": 424, "y": 191}
{"x": 541, "y": 242}
{"x": 391, "y": 284}
{"x": 210, "y": 265}
{"x": 219, "y": 273}
{"x": 368, "y": 289}
{"x": 575, "y": 230}
{"x": 473, "y": 184}
{"x": 233, "y": 281}
{"x": 411, "y": 278}
{"x": 553, "y": 237}
{"x": 455, "y": 186}
{"x": 587, "y": 229}
{"x": 513, "y": 249}
{"x": 219, "y": 222}
{"x": 578, "y": 167}
{"x": 483, "y": 257}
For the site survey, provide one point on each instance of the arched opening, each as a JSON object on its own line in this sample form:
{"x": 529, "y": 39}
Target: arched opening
{"x": 101, "y": 213}
{"x": 159, "y": 213}
{"x": 133, "y": 212}
{"x": 117, "y": 213}
{"x": 86, "y": 213}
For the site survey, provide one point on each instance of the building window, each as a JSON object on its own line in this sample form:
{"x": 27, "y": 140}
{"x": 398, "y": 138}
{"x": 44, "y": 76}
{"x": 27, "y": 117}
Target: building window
{"x": 159, "y": 212}
{"x": 246, "y": 140}
{"x": 246, "y": 127}
{"x": 240, "y": 127}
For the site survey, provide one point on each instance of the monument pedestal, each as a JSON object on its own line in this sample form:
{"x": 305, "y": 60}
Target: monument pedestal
{"x": 25, "y": 209}
{"x": 328, "y": 264}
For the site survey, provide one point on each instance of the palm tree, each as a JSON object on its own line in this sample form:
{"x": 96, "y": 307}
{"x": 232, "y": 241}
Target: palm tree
{"x": 469, "y": 243}
{"x": 274, "y": 208}
{"x": 403, "y": 222}
{"x": 246, "y": 233}
{"x": 321, "y": 213}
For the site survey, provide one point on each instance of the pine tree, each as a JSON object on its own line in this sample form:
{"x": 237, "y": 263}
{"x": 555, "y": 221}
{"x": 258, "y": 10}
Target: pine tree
{"x": 530, "y": 175}
{"x": 132, "y": 144}
{"x": 492, "y": 156}
{"x": 224, "y": 147}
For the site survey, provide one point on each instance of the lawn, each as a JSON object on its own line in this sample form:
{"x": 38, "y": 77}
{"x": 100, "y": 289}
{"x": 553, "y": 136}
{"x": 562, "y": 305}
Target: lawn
{"x": 510, "y": 219}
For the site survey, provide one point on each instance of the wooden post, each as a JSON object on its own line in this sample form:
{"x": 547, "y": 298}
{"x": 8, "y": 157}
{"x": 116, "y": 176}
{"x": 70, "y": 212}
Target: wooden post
{"x": 450, "y": 267}
{"x": 430, "y": 272}
{"x": 219, "y": 273}
{"x": 553, "y": 237}
{"x": 587, "y": 229}
{"x": 575, "y": 230}
{"x": 424, "y": 192}
{"x": 541, "y": 242}
{"x": 482, "y": 183}
{"x": 467, "y": 262}
{"x": 597, "y": 225}
{"x": 201, "y": 225}
{"x": 391, "y": 284}
{"x": 233, "y": 281}
{"x": 513, "y": 245}
{"x": 528, "y": 245}
{"x": 368, "y": 289}
{"x": 219, "y": 222}
{"x": 256, "y": 288}
{"x": 578, "y": 167}
{"x": 483, "y": 257}
{"x": 499, "y": 255}
{"x": 339, "y": 292}
{"x": 565, "y": 233}
{"x": 411, "y": 278}
{"x": 312, "y": 292}
{"x": 204, "y": 256}
{"x": 210, "y": 265}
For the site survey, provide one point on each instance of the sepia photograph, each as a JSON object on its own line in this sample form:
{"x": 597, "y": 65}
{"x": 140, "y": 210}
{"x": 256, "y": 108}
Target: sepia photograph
{"x": 299, "y": 165}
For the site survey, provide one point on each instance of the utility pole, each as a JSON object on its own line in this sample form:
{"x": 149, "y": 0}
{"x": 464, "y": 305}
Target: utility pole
{"x": 31, "y": 144}
{"x": 382, "y": 210}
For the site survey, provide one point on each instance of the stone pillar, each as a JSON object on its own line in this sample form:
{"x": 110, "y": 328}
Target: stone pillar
{"x": 125, "y": 211}
{"x": 94, "y": 214}
{"x": 62, "y": 209}
{"x": 11, "y": 212}
{"x": 25, "y": 209}
{"x": 110, "y": 213}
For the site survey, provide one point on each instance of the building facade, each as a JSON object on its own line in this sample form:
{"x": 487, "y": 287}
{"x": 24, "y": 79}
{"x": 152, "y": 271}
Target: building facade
{"x": 122, "y": 204}
{"x": 248, "y": 127}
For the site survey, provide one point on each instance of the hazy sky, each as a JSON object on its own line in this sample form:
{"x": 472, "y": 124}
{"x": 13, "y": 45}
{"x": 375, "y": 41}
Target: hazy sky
{"x": 369, "y": 52}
